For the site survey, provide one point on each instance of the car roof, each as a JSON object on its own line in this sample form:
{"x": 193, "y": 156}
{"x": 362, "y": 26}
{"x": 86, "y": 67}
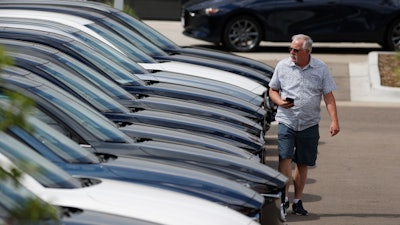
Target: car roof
{"x": 69, "y": 20}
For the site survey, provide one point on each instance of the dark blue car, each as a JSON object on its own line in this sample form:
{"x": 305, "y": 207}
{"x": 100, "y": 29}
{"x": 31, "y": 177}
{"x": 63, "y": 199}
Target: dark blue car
{"x": 240, "y": 25}
{"x": 77, "y": 161}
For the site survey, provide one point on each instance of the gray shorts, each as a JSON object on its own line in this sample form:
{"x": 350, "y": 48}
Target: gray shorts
{"x": 300, "y": 146}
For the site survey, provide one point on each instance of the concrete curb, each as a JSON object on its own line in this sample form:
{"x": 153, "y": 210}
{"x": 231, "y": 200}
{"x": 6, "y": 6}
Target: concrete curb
{"x": 365, "y": 83}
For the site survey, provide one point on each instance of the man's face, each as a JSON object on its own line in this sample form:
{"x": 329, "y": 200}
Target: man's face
{"x": 297, "y": 53}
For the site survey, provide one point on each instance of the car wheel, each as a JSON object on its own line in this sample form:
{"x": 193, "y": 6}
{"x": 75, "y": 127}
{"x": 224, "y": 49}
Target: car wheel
{"x": 242, "y": 34}
{"x": 393, "y": 36}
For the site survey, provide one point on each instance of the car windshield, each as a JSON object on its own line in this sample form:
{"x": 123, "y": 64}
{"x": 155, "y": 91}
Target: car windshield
{"x": 98, "y": 125}
{"x": 131, "y": 51}
{"x": 42, "y": 170}
{"x": 87, "y": 38}
{"x": 43, "y": 136}
{"x": 110, "y": 52}
{"x": 134, "y": 38}
{"x": 91, "y": 94}
{"x": 113, "y": 70}
{"x": 147, "y": 32}
{"x": 109, "y": 87}
{"x": 12, "y": 197}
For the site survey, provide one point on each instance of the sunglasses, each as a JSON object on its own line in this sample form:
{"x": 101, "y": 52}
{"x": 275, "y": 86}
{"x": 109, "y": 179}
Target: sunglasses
{"x": 295, "y": 50}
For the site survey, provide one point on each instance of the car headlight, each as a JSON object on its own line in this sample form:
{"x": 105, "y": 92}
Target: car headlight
{"x": 211, "y": 11}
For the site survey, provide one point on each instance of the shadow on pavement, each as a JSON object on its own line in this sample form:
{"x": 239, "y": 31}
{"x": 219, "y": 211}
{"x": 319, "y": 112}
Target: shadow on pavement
{"x": 312, "y": 217}
{"x": 316, "y": 49}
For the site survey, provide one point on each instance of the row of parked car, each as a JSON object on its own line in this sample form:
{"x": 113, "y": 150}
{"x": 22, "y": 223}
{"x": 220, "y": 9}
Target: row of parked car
{"x": 131, "y": 128}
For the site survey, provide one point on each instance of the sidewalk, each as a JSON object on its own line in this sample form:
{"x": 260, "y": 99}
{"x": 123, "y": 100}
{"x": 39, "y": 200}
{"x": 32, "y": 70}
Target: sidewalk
{"x": 365, "y": 82}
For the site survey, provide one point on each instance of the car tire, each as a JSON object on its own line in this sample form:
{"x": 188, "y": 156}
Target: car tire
{"x": 262, "y": 155}
{"x": 242, "y": 34}
{"x": 393, "y": 36}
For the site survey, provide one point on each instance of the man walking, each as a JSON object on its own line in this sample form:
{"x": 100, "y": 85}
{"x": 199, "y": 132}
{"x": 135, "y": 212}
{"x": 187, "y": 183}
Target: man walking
{"x": 297, "y": 87}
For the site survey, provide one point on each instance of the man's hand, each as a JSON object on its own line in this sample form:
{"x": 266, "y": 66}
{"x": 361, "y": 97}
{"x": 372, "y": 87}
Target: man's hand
{"x": 334, "y": 128}
{"x": 285, "y": 104}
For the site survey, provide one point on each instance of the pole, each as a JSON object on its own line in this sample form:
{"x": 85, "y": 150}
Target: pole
{"x": 119, "y": 4}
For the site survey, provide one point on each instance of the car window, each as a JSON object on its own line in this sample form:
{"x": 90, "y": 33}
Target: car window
{"x": 42, "y": 170}
{"x": 39, "y": 113}
{"x": 113, "y": 70}
{"x": 109, "y": 87}
{"x": 91, "y": 94}
{"x": 134, "y": 38}
{"x": 154, "y": 36}
{"x": 11, "y": 196}
{"x": 60, "y": 145}
{"x": 131, "y": 51}
{"x": 92, "y": 121}
{"x": 113, "y": 54}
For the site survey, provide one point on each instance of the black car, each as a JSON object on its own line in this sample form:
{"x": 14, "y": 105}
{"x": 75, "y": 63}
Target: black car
{"x": 240, "y": 25}
{"x": 128, "y": 80}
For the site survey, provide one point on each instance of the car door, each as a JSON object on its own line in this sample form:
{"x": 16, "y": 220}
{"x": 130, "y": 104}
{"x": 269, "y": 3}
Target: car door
{"x": 367, "y": 20}
{"x": 317, "y": 18}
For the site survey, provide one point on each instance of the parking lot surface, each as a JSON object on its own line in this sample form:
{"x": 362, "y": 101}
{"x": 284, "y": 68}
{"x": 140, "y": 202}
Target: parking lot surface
{"x": 356, "y": 180}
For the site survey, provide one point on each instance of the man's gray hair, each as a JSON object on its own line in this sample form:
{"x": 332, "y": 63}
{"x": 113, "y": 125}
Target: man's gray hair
{"x": 307, "y": 40}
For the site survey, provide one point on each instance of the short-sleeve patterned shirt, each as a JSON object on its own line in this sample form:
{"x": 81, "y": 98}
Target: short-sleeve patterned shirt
{"x": 306, "y": 86}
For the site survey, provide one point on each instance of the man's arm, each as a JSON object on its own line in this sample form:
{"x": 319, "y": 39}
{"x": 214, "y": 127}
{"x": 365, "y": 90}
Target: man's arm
{"x": 276, "y": 97}
{"x": 330, "y": 103}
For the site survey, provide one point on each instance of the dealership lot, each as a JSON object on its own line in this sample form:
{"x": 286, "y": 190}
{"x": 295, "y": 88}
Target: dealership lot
{"x": 95, "y": 53}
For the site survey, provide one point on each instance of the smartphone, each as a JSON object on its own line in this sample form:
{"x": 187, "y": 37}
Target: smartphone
{"x": 291, "y": 100}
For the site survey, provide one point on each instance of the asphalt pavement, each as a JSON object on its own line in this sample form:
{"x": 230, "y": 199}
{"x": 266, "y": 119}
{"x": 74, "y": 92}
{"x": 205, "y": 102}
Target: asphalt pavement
{"x": 356, "y": 180}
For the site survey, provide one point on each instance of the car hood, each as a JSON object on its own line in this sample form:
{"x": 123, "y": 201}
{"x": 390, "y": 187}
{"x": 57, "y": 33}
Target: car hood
{"x": 266, "y": 69}
{"x": 139, "y": 201}
{"x": 203, "y": 83}
{"x": 76, "y": 216}
{"x": 144, "y": 131}
{"x": 197, "y": 111}
{"x": 204, "y": 185}
{"x": 199, "y": 96}
{"x": 181, "y": 155}
{"x": 202, "y": 127}
{"x": 225, "y": 66}
{"x": 134, "y": 201}
{"x": 206, "y": 72}
{"x": 202, "y": 4}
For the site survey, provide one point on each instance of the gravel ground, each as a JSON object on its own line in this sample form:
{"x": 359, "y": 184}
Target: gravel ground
{"x": 389, "y": 69}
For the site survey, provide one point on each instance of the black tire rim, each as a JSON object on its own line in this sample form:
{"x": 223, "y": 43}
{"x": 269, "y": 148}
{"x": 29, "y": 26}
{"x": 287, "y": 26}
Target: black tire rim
{"x": 243, "y": 35}
{"x": 395, "y": 37}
